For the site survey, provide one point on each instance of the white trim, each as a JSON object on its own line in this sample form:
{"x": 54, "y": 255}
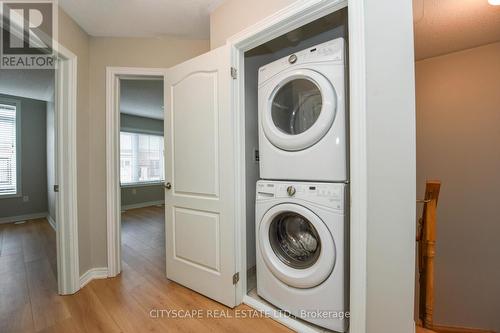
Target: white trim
{"x": 280, "y": 317}
{"x": 51, "y": 222}
{"x": 68, "y": 270}
{"x": 358, "y": 167}
{"x": 25, "y": 217}
{"x": 287, "y": 19}
{"x": 113, "y": 195}
{"x": 291, "y": 17}
{"x": 143, "y": 204}
{"x": 93, "y": 274}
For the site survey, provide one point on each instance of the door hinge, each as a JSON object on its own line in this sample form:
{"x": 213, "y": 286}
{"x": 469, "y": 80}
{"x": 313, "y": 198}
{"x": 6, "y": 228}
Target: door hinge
{"x": 234, "y": 73}
{"x": 236, "y": 278}
{"x": 56, "y": 188}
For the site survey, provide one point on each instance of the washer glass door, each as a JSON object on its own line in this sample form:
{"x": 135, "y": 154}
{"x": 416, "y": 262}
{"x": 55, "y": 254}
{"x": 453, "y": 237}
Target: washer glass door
{"x": 296, "y": 245}
{"x": 294, "y": 240}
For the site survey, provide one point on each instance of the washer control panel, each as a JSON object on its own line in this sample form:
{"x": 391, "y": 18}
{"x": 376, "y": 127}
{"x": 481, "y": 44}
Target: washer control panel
{"x": 326, "y": 194}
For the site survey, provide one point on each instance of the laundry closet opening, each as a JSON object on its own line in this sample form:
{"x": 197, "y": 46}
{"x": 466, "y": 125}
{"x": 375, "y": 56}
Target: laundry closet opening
{"x": 303, "y": 89}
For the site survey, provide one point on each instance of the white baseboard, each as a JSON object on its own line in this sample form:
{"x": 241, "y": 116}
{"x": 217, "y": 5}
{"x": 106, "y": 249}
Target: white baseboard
{"x": 10, "y": 219}
{"x": 93, "y": 274}
{"x": 143, "y": 204}
{"x": 51, "y": 222}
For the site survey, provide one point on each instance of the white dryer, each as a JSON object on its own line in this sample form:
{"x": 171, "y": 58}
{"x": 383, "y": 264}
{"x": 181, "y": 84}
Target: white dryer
{"x": 302, "y": 250}
{"x": 302, "y": 117}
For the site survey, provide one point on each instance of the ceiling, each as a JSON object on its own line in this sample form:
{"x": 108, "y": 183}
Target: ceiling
{"x": 28, "y": 83}
{"x": 142, "y": 98}
{"x": 144, "y": 18}
{"x": 444, "y": 26}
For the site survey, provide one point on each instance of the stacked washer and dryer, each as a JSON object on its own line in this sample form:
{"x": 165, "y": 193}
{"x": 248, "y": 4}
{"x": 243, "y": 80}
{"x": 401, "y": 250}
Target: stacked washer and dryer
{"x": 301, "y": 201}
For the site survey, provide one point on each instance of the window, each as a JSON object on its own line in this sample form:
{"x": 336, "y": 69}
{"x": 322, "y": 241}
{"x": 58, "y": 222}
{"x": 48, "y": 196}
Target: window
{"x": 141, "y": 158}
{"x": 9, "y": 148}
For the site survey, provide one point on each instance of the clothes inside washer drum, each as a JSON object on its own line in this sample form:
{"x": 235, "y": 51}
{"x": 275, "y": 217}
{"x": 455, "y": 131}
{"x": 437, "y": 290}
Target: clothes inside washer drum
{"x": 295, "y": 240}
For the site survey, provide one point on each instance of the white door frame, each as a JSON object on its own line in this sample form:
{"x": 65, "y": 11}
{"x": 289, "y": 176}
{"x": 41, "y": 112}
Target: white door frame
{"x": 68, "y": 269}
{"x": 289, "y": 18}
{"x": 113, "y": 195}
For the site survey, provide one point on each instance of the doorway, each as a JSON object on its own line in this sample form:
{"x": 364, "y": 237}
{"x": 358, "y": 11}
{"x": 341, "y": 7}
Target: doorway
{"x": 27, "y": 176}
{"x": 142, "y": 173}
{"x": 48, "y": 193}
{"x": 135, "y": 166}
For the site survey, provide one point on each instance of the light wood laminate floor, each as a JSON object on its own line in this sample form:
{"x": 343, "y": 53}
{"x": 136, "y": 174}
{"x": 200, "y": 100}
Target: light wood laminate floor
{"x": 28, "y": 287}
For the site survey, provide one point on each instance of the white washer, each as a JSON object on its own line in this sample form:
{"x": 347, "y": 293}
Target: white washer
{"x": 301, "y": 250}
{"x": 302, "y": 118}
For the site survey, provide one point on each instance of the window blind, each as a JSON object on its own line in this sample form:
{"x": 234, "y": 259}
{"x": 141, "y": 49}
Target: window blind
{"x": 141, "y": 158}
{"x": 8, "y": 150}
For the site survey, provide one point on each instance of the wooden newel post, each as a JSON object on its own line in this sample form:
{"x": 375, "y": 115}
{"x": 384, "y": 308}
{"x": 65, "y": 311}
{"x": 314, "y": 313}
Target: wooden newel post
{"x": 427, "y": 252}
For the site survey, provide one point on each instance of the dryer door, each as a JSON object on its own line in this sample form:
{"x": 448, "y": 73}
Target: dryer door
{"x": 296, "y": 245}
{"x": 299, "y": 110}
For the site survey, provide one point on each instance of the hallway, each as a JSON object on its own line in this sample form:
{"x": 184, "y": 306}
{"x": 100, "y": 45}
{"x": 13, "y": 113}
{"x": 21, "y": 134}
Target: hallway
{"x": 29, "y": 302}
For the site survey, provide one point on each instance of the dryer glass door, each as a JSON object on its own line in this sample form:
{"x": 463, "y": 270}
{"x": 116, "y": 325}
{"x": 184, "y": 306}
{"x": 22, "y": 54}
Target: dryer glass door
{"x": 296, "y": 106}
{"x": 294, "y": 240}
{"x": 298, "y": 109}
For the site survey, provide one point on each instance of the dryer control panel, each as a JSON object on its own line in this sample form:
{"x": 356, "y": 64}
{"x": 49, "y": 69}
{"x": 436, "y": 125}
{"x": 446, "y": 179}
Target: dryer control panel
{"x": 332, "y": 52}
{"x": 325, "y": 194}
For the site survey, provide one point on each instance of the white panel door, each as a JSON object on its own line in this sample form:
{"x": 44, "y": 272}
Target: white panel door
{"x": 200, "y": 173}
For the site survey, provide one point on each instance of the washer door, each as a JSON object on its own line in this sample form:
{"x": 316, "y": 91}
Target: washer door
{"x": 300, "y": 110}
{"x": 296, "y": 245}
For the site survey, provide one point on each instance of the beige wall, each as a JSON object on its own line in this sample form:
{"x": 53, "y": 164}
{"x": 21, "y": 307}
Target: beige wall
{"x": 127, "y": 52}
{"x": 76, "y": 40}
{"x": 458, "y": 137}
{"x": 235, "y": 15}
